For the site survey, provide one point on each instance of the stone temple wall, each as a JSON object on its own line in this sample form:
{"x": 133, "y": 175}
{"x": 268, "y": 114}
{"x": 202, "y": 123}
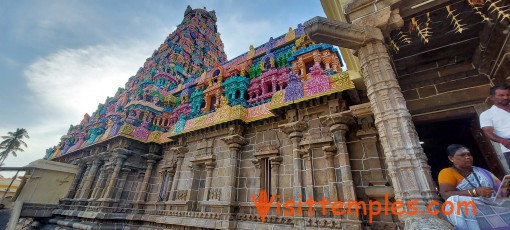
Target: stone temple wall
{"x": 209, "y": 178}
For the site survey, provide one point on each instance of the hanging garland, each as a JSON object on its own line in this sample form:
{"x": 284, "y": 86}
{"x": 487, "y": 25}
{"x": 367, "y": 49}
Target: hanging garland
{"x": 456, "y": 22}
{"x": 423, "y": 31}
{"x": 421, "y": 23}
{"x": 477, "y": 5}
{"x": 401, "y": 38}
{"x": 500, "y": 10}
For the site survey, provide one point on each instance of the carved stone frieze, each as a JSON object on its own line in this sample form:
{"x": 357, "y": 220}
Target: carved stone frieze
{"x": 118, "y": 143}
{"x": 215, "y": 194}
{"x": 203, "y": 158}
{"x": 266, "y": 150}
{"x": 181, "y": 194}
{"x": 310, "y": 140}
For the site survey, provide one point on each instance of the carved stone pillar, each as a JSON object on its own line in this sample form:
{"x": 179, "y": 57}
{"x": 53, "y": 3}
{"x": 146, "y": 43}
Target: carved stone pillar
{"x": 295, "y": 132}
{"x": 102, "y": 178}
{"x": 108, "y": 170}
{"x": 122, "y": 155}
{"x": 209, "y": 167}
{"x": 142, "y": 187}
{"x": 171, "y": 174}
{"x": 275, "y": 174}
{"x": 308, "y": 174}
{"x": 77, "y": 179}
{"x": 179, "y": 152}
{"x": 407, "y": 163}
{"x": 338, "y": 126}
{"x": 256, "y": 164}
{"x": 122, "y": 182}
{"x": 234, "y": 142}
{"x": 89, "y": 179}
{"x": 368, "y": 135}
{"x": 99, "y": 184}
{"x": 329, "y": 153}
{"x": 80, "y": 186}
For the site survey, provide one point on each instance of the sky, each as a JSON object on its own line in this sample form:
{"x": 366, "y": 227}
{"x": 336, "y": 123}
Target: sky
{"x": 60, "y": 58}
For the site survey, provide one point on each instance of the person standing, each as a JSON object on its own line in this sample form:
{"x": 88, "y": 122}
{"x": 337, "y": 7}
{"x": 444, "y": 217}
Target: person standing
{"x": 495, "y": 122}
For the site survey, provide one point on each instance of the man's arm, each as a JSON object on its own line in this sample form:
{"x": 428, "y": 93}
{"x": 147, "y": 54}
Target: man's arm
{"x": 489, "y": 132}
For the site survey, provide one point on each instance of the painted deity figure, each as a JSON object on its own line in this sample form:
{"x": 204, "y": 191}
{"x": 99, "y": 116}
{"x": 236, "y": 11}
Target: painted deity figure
{"x": 117, "y": 123}
{"x": 131, "y": 118}
{"x": 294, "y": 89}
{"x": 94, "y": 134}
{"x": 68, "y": 142}
{"x": 142, "y": 132}
{"x": 318, "y": 82}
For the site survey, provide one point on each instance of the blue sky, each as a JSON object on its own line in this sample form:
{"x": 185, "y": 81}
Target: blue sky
{"x": 60, "y": 58}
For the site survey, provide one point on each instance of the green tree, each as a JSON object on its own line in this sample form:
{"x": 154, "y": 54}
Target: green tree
{"x": 13, "y": 143}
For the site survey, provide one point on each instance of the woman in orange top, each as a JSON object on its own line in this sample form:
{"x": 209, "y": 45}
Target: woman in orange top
{"x": 462, "y": 182}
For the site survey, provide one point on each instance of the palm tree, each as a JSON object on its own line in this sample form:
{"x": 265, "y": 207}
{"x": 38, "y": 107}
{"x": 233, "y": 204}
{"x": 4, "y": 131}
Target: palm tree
{"x": 12, "y": 143}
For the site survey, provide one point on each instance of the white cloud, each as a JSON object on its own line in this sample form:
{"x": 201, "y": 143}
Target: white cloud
{"x": 72, "y": 82}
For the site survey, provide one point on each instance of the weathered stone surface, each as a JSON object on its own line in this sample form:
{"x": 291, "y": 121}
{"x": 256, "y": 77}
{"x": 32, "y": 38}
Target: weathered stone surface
{"x": 423, "y": 223}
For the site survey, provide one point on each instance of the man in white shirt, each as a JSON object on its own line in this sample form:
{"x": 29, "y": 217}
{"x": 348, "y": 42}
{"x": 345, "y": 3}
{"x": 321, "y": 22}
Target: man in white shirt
{"x": 495, "y": 122}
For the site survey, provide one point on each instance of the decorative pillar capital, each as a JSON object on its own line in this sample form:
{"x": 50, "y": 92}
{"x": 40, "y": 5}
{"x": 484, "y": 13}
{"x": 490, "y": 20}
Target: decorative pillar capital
{"x": 104, "y": 155}
{"x": 179, "y": 151}
{"x": 88, "y": 161}
{"x": 79, "y": 162}
{"x": 364, "y": 115}
{"x": 276, "y": 161}
{"x": 151, "y": 158}
{"x": 337, "y": 121}
{"x": 235, "y": 141}
{"x": 210, "y": 165}
{"x": 256, "y": 163}
{"x": 329, "y": 151}
{"x": 154, "y": 149}
{"x": 294, "y": 129}
{"x": 303, "y": 152}
{"x": 122, "y": 153}
{"x": 97, "y": 161}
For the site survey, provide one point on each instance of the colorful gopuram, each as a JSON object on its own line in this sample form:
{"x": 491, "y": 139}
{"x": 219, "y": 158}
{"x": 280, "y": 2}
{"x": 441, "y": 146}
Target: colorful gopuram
{"x": 193, "y": 137}
{"x": 188, "y": 84}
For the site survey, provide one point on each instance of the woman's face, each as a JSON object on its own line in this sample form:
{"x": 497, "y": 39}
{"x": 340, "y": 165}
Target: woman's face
{"x": 462, "y": 158}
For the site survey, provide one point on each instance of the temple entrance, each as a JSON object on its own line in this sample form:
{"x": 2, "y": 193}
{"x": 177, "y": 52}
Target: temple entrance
{"x": 436, "y": 136}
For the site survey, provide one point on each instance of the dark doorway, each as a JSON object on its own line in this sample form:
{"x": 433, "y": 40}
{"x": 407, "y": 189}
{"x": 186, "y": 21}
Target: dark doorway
{"x": 436, "y": 136}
